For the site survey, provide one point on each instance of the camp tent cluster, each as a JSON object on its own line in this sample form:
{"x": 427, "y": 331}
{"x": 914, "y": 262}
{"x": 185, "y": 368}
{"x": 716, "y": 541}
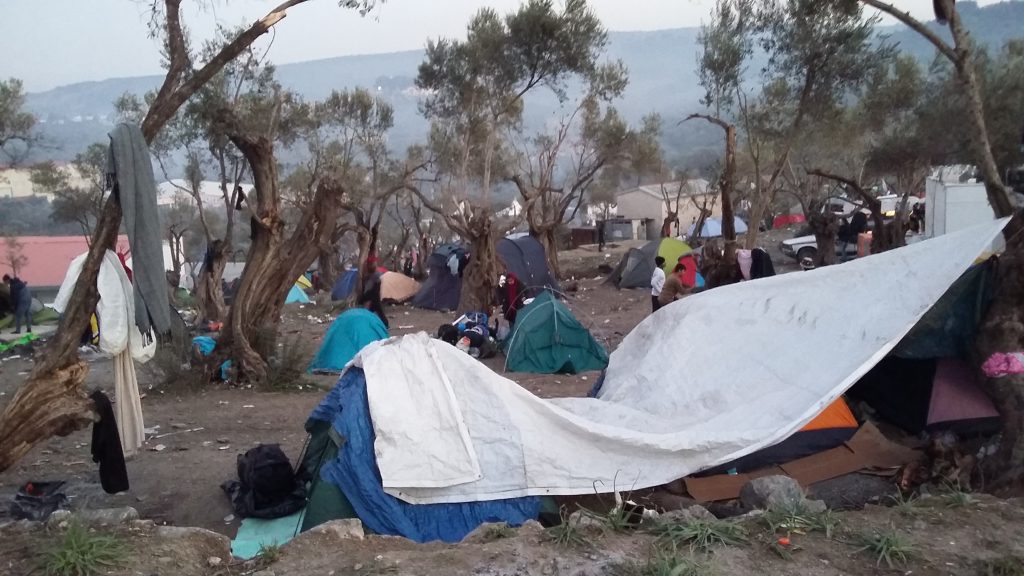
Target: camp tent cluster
{"x": 406, "y": 404}
{"x": 522, "y": 256}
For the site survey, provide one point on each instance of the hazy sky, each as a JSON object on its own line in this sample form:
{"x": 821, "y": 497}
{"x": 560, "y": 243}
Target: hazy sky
{"x": 47, "y": 43}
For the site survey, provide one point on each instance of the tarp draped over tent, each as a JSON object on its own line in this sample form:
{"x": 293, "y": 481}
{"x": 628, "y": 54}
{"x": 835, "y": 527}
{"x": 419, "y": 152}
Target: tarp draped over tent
{"x": 637, "y": 265}
{"x": 348, "y": 480}
{"x": 442, "y": 289}
{"x": 548, "y": 339}
{"x": 397, "y": 287}
{"x": 712, "y": 228}
{"x": 525, "y": 257}
{"x": 450, "y": 430}
{"x": 348, "y": 334}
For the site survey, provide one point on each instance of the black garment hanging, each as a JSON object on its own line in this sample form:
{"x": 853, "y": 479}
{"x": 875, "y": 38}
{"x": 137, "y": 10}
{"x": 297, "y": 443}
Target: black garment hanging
{"x": 106, "y": 447}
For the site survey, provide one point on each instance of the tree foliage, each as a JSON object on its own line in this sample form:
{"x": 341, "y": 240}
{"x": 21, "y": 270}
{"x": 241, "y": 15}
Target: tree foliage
{"x": 17, "y": 127}
{"x": 76, "y": 202}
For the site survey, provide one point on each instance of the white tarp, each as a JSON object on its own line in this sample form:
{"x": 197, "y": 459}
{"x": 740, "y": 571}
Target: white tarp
{"x": 701, "y": 382}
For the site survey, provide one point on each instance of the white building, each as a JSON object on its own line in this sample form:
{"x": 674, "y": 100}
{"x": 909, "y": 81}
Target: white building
{"x": 645, "y": 205}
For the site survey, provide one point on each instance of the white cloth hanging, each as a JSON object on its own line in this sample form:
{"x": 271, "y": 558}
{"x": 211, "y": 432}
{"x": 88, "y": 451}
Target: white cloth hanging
{"x": 115, "y": 314}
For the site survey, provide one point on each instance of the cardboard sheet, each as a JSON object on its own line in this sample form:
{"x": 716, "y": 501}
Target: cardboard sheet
{"x": 868, "y": 448}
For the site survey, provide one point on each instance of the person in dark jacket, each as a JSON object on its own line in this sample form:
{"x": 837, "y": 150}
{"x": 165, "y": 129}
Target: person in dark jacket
{"x": 21, "y": 301}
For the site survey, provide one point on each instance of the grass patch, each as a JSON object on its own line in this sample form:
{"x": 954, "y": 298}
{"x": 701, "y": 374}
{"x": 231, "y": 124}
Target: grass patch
{"x": 954, "y": 496}
{"x": 904, "y": 504}
{"x": 498, "y": 532}
{"x": 269, "y": 553}
{"x": 83, "y": 553}
{"x": 888, "y": 546}
{"x": 567, "y": 533}
{"x": 799, "y": 518}
{"x": 702, "y": 535}
{"x": 663, "y": 563}
{"x": 286, "y": 369}
{"x": 1006, "y": 566}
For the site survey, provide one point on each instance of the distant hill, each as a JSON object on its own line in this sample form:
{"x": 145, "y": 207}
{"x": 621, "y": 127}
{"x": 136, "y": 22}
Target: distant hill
{"x": 662, "y": 67}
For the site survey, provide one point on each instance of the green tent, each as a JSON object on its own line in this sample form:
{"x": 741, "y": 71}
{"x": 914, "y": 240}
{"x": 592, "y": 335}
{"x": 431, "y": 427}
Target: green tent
{"x": 548, "y": 339}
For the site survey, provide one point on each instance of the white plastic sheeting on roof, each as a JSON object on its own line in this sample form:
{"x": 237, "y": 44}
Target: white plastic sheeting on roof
{"x": 701, "y": 382}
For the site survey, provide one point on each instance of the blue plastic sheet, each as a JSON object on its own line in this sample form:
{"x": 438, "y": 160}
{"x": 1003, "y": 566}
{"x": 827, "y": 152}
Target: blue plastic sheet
{"x": 355, "y": 472}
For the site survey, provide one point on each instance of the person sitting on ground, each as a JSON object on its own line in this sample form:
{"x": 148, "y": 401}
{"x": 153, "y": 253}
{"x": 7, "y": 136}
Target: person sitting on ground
{"x": 21, "y": 301}
{"x": 657, "y": 282}
{"x": 674, "y": 287}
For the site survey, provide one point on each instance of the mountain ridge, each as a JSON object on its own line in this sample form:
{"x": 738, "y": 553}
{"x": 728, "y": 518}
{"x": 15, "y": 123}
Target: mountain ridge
{"x": 662, "y": 68}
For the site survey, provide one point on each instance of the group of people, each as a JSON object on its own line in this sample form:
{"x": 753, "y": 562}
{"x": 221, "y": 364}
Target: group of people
{"x": 21, "y": 302}
{"x": 667, "y": 289}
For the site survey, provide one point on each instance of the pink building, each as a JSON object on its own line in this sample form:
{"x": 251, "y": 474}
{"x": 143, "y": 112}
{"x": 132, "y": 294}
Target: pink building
{"x": 48, "y": 257}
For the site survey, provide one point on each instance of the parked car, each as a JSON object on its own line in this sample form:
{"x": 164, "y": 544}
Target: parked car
{"x": 807, "y": 247}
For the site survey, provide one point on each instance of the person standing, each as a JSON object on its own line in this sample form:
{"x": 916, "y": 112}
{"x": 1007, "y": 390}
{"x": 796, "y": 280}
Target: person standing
{"x": 657, "y": 282}
{"x": 21, "y": 301}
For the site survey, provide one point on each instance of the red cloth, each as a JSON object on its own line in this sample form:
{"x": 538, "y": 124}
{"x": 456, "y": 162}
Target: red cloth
{"x": 123, "y": 257}
{"x": 784, "y": 220}
{"x": 512, "y": 297}
{"x": 688, "y": 276}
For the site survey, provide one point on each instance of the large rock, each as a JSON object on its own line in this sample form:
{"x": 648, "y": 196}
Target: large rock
{"x": 345, "y": 529}
{"x": 684, "y": 516}
{"x": 779, "y": 492}
{"x": 853, "y": 491}
{"x": 94, "y": 517}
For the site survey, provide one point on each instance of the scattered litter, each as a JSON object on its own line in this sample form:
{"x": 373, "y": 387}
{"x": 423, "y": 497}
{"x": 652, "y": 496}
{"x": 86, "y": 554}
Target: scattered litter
{"x": 75, "y": 463}
{"x": 406, "y": 313}
{"x": 229, "y": 518}
{"x": 151, "y": 430}
{"x": 248, "y": 406}
{"x": 207, "y": 443}
{"x": 22, "y": 373}
{"x": 583, "y": 377}
{"x": 225, "y": 447}
{"x": 222, "y": 402}
{"x": 223, "y": 440}
{"x": 158, "y": 448}
{"x": 178, "y": 432}
{"x": 406, "y": 327}
{"x": 607, "y": 320}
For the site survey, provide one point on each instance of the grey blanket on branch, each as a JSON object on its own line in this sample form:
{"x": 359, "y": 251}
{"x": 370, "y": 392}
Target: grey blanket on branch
{"x": 130, "y": 168}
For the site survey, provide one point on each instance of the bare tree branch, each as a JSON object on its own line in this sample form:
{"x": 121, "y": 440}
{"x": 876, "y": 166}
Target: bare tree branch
{"x": 915, "y": 25}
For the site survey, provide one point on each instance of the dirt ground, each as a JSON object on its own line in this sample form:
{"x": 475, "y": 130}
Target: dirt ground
{"x": 196, "y": 436}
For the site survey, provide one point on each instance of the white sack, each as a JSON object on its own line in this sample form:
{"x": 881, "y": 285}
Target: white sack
{"x": 703, "y": 381}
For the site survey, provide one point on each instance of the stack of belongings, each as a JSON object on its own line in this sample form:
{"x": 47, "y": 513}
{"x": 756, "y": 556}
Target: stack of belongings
{"x": 470, "y": 334}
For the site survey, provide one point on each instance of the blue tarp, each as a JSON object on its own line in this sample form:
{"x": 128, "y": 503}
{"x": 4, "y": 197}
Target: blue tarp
{"x": 355, "y": 472}
{"x": 296, "y": 296}
{"x": 347, "y": 335}
{"x": 344, "y": 286}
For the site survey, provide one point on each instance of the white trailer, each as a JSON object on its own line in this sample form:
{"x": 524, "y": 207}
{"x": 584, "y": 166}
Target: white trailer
{"x": 953, "y": 206}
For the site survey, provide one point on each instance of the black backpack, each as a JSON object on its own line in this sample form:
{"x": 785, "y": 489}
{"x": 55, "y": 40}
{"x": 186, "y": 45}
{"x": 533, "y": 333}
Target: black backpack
{"x": 267, "y": 486}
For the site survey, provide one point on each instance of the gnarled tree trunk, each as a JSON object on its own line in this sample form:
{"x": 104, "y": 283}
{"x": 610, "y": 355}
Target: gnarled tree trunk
{"x": 480, "y": 278}
{"x": 274, "y": 262}
{"x": 825, "y": 228}
{"x": 210, "y": 290}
